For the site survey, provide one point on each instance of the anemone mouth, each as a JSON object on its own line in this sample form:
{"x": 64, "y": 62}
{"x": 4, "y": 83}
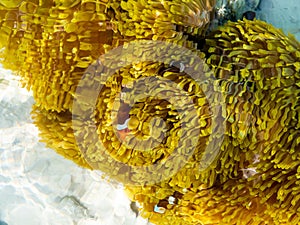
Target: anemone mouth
{"x": 162, "y": 97}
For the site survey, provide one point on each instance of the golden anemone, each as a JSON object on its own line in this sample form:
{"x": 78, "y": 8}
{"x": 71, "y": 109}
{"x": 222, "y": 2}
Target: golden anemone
{"x": 163, "y": 19}
{"x": 257, "y": 68}
{"x": 51, "y": 43}
{"x": 56, "y": 131}
{"x": 123, "y": 96}
{"x": 254, "y": 178}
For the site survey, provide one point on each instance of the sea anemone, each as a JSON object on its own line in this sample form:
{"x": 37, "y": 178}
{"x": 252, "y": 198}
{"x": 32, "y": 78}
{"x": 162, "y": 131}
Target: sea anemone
{"x": 254, "y": 178}
{"x": 257, "y": 67}
{"x": 51, "y": 43}
{"x": 56, "y": 131}
{"x": 154, "y": 134}
{"x": 169, "y": 156}
{"x": 163, "y": 19}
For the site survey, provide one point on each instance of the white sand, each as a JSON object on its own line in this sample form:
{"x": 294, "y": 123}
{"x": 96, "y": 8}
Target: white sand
{"x": 37, "y": 186}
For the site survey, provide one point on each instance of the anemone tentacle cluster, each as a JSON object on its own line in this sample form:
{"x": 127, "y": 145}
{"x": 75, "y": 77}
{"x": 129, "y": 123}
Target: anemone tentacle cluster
{"x": 51, "y": 43}
{"x": 254, "y": 178}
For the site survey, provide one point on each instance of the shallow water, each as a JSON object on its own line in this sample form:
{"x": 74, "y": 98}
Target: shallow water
{"x": 38, "y": 186}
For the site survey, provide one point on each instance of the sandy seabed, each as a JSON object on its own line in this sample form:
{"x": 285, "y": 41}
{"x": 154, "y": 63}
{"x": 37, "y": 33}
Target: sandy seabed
{"x": 38, "y": 186}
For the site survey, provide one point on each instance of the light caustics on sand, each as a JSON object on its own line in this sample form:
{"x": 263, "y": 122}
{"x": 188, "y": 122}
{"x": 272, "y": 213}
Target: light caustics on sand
{"x": 241, "y": 78}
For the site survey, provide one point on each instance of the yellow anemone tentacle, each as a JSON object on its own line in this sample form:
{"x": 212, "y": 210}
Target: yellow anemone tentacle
{"x": 51, "y": 43}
